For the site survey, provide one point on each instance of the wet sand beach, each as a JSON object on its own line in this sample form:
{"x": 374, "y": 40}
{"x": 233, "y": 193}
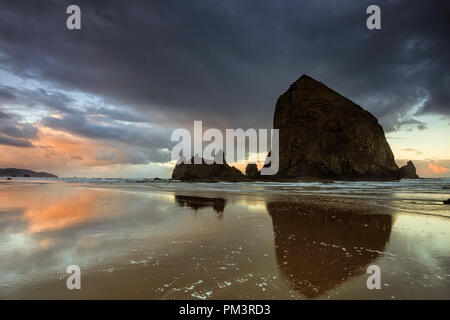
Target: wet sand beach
{"x": 161, "y": 240}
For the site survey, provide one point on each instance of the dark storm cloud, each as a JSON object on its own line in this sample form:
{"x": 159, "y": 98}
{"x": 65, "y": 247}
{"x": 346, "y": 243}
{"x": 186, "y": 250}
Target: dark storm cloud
{"x": 34, "y": 99}
{"x": 81, "y": 124}
{"x": 14, "y": 133}
{"x": 141, "y": 142}
{"x": 9, "y": 141}
{"x": 4, "y": 115}
{"x": 230, "y": 60}
{"x": 116, "y": 114}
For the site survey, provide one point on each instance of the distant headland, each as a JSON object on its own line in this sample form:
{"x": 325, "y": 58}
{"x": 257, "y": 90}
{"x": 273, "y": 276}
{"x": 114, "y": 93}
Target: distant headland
{"x": 15, "y": 172}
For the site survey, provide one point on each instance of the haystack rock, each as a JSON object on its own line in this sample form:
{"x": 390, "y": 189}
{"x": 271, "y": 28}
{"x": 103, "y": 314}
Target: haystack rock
{"x": 251, "y": 170}
{"x": 325, "y": 135}
{"x": 408, "y": 171}
{"x": 207, "y": 172}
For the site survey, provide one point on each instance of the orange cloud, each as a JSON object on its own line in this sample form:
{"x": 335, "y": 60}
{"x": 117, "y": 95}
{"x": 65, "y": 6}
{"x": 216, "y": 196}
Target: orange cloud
{"x": 55, "y": 150}
{"x": 243, "y": 164}
{"x": 437, "y": 168}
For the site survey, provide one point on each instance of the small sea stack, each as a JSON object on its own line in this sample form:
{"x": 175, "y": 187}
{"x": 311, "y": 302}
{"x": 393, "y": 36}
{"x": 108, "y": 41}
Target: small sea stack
{"x": 408, "y": 171}
{"x": 251, "y": 171}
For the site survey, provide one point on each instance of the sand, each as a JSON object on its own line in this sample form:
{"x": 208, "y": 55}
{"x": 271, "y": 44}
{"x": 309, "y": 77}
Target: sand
{"x": 223, "y": 241}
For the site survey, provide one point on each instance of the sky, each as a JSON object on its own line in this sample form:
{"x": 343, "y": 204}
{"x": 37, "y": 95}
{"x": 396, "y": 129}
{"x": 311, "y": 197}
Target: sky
{"x": 103, "y": 101}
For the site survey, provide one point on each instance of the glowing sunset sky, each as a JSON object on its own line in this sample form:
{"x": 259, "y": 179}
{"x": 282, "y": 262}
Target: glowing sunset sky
{"x": 103, "y": 101}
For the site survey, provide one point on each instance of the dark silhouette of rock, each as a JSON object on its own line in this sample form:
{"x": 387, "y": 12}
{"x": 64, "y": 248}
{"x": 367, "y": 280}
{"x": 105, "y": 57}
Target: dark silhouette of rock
{"x": 251, "y": 170}
{"x": 195, "y": 203}
{"x": 408, "y": 171}
{"x": 446, "y": 201}
{"x": 325, "y": 135}
{"x": 14, "y": 172}
{"x": 207, "y": 172}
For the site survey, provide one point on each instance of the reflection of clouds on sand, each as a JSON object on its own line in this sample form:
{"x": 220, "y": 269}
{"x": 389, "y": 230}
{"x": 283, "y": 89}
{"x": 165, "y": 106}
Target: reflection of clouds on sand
{"x": 50, "y": 209}
{"x": 318, "y": 250}
{"x": 429, "y": 246}
{"x": 252, "y": 204}
{"x": 17, "y": 242}
{"x": 46, "y": 227}
{"x": 61, "y": 214}
{"x": 39, "y": 226}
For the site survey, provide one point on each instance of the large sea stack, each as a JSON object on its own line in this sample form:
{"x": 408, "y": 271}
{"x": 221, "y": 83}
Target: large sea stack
{"x": 325, "y": 135}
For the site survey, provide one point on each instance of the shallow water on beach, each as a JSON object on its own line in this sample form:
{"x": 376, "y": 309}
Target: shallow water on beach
{"x": 161, "y": 240}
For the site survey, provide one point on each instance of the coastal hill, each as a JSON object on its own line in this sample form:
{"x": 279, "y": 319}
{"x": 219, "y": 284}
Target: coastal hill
{"x": 14, "y": 172}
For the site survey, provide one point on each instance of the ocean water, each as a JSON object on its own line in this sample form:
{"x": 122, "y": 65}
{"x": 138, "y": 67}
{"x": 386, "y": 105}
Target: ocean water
{"x": 145, "y": 239}
{"x": 420, "y": 196}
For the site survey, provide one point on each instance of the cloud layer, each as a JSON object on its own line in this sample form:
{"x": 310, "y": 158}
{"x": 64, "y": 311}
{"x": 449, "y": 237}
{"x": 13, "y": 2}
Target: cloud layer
{"x": 143, "y": 67}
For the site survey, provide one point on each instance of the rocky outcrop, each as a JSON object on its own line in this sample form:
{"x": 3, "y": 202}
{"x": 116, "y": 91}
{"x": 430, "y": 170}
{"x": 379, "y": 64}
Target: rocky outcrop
{"x": 408, "y": 171}
{"x": 251, "y": 170}
{"x": 325, "y": 135}
{"x": 207, "y": 172}
{"x": 14, "y": 172}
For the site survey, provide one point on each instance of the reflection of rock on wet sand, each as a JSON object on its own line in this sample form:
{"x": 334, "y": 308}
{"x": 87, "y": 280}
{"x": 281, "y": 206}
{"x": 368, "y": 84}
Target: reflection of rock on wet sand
{"x": 218, "y": 204}
{"x": 317, "y": 250}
